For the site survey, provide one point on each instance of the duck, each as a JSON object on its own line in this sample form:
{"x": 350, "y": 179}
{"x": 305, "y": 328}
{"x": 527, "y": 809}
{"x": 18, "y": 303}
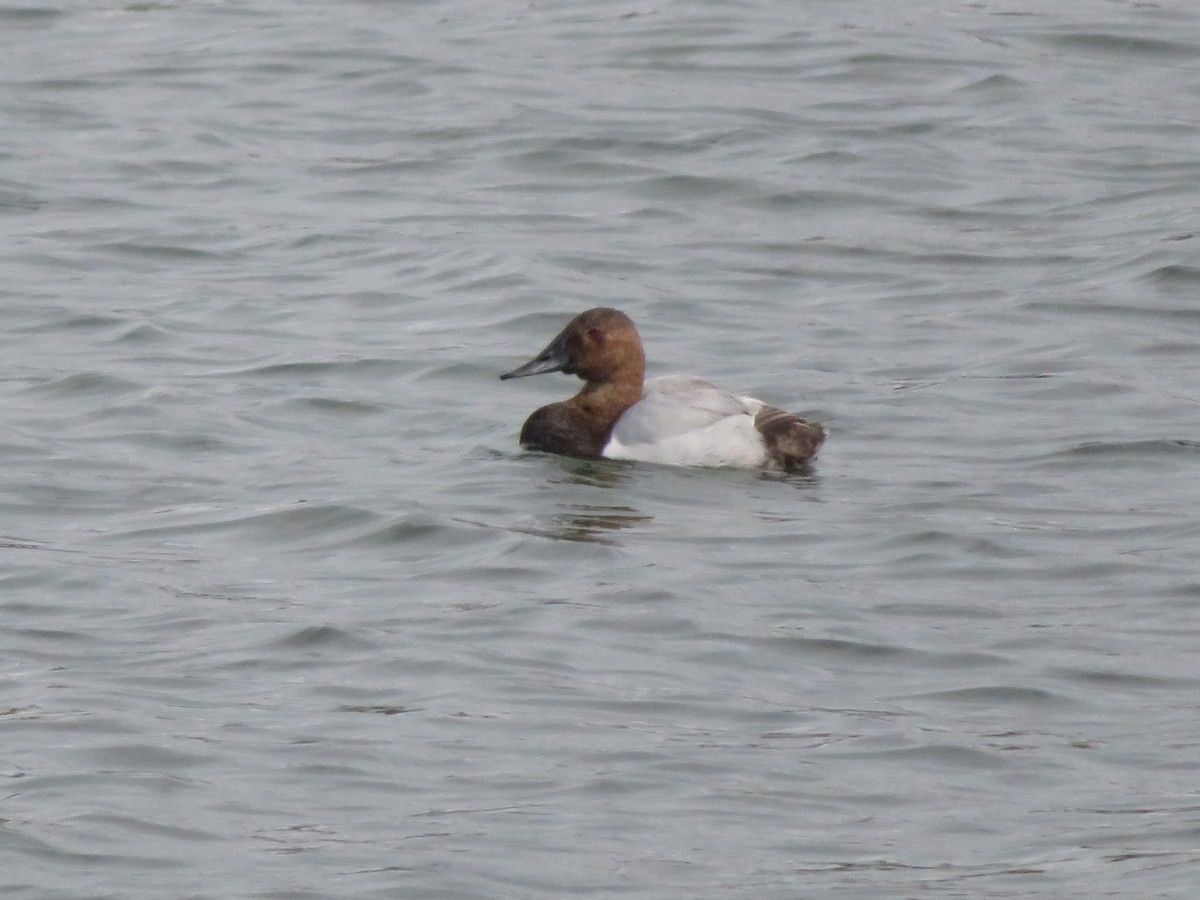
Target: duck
{"x": 676, "y": 420}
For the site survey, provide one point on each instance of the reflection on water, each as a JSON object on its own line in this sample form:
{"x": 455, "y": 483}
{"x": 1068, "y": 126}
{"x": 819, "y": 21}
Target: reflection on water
{"x": 588, "y": 524}
{"x": 591, "y": 523}
{"x": 604, "y": 473}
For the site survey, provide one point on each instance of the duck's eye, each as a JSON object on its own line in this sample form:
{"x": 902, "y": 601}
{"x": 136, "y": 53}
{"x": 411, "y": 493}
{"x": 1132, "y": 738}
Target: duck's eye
{"x": 596, "y": 335}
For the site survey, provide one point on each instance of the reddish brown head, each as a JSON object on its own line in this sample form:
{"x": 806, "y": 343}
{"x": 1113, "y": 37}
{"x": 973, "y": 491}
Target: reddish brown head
{"x": 600, "y": 346}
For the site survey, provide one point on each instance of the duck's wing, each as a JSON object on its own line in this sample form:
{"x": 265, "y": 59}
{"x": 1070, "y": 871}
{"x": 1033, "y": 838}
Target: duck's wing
{"x": 685, "y": 421}
{"x": 677, "y": 404}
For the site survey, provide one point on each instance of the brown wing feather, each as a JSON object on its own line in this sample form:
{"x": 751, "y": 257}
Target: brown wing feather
{"x": 791, "y": 441}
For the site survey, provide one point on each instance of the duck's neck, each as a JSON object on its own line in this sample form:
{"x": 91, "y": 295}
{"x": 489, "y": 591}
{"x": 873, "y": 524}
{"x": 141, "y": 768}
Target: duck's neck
{"x": 605, "y": 401}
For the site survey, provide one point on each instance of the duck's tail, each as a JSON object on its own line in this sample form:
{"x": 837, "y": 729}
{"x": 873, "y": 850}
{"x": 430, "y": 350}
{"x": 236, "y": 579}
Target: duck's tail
{"x": 791, "y": 441}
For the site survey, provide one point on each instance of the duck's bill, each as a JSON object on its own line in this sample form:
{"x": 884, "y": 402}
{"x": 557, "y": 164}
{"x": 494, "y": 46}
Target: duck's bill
{"x": 552, "y": 359}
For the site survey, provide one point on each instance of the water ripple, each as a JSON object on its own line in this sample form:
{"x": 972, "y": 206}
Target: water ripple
{"x": 281, "y": 589}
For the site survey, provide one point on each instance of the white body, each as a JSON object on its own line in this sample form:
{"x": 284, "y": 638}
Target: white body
{"x": 682, "y": 420}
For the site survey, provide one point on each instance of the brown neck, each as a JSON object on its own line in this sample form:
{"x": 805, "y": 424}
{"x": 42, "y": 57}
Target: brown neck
{"x": 605, "y": 401}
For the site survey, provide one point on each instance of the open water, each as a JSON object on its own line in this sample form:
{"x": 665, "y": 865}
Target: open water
{"x": 286, "y": 613}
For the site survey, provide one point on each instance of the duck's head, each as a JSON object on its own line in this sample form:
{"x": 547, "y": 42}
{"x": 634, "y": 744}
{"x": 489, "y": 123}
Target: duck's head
{"x": 600, "y": 345}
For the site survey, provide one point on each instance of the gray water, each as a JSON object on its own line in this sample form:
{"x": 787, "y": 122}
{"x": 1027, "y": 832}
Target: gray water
{"x": 286, "y": 613}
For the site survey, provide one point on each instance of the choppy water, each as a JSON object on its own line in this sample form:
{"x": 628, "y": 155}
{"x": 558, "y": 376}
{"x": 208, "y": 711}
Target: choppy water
{"x": 285, "y": 613}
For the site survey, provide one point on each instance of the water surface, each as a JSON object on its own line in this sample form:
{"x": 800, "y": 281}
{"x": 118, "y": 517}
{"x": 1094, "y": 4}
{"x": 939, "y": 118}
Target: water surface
{"x": 286, "y": 613}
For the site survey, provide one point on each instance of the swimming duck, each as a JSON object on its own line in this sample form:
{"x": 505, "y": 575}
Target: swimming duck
{"x": 675, "y": 419}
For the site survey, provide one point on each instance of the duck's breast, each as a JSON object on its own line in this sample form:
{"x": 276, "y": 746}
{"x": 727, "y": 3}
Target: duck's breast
{"x": 685, "y": 421}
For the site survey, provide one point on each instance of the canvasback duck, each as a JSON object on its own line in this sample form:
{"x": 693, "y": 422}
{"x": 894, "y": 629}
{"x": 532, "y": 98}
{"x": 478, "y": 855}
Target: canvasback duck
{"x": 676, "y": 419}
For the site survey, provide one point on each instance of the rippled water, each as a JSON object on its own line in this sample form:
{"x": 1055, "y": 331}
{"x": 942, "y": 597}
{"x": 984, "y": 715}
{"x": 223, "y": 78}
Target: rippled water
{"x": 285, "y": 612}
